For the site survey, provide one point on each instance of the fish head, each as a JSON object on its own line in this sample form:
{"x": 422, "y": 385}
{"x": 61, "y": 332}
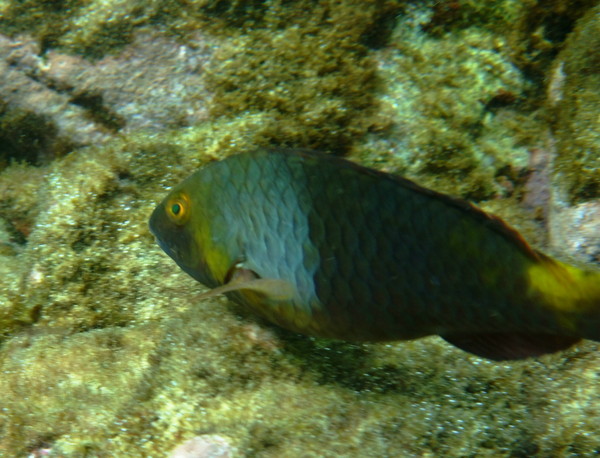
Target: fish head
{"x": 179, "y": 227}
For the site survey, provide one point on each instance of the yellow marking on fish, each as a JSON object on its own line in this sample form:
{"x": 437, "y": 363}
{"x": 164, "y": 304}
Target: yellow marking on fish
{"x": 217, "y": 260}
{"x": 566, "y": 288}
{"x": 278, "y": 310}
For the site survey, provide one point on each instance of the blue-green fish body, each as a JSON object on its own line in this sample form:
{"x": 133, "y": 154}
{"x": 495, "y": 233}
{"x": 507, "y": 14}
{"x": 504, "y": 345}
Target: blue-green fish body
{"x": 324, "y": 247}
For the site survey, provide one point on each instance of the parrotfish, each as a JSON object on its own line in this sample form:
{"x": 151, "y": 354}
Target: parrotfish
{"x": 322, "y": 246}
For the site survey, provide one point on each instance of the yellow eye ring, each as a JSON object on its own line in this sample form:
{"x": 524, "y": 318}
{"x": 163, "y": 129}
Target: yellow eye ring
{"x": 178, "y": 209}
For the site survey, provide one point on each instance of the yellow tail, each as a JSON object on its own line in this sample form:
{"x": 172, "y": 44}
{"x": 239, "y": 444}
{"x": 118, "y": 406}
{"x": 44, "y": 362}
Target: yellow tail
{"x": 572, "y": 293}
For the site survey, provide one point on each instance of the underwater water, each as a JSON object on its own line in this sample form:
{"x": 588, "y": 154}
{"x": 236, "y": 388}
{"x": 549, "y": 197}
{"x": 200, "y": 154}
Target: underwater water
{"x": 106, "y": 349}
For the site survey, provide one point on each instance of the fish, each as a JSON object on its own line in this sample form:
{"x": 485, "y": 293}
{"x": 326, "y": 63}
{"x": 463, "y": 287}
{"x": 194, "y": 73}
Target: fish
{"x": 325, "y": 247}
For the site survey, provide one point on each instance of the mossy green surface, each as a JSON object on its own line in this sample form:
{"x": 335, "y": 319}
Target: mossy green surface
{"x": 106, "y": 352}
{"x": 576, "y": 108}
{"x": 26, "y": 136}
{"x": 308, "y": 70}
{"x": 110, "y": 354}
{"x": 446, "y": 132}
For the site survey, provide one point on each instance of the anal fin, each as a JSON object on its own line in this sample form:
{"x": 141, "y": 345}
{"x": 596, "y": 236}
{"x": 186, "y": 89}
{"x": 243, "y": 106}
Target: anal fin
{"x": 510, "y": 346}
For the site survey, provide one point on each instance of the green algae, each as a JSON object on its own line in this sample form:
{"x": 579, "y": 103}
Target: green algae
{"x": 106, "y": 352}
{"x": 120, "y": 359}
{"x": 30, "y": 137}
{"x": 98, "y": 27}
{"x": 440, "y": 95}
{"x": 285, "y": 91}
{"x": 73, "y": 224}
{"x": 448, "y": 15}
{"x": 311, "y": 74}
{"x": 575, "y": 100}
{"x": 540, "y": 33}
{"x": 204, "y": 369}
{"x": 89, "y": 28}
{"x": 299, "y": 50}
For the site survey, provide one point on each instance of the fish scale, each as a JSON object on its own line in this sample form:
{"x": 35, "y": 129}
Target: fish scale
{"x": 329, "y": 248}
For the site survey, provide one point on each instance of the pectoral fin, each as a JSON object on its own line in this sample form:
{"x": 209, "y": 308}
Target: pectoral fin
{"x": 244, "y": 279}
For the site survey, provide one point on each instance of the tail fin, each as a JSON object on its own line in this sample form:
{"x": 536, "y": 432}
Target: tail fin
{"x": 589, "y": 305}
{"x": 572, "y": 293}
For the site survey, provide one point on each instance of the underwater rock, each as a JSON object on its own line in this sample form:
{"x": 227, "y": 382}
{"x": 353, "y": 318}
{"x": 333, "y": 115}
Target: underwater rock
{"x": 576, "y": 230}
{"x": 21, "y": 87}
{"x": 449, "y": 130}
{"x": 573, "y": 100}
{"x": 154, "y": 83}
{"x": 205, "y": 446}
{"x": 106, "y": 350}
{"x": 537, "y": 188}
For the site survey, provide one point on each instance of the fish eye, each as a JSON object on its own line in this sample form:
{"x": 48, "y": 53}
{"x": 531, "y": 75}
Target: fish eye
{"x": 178, "y": 209}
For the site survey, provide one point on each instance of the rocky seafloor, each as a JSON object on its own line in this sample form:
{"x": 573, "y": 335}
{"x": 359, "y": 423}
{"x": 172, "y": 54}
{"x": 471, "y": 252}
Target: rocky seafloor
{"x": 104, "y": 105}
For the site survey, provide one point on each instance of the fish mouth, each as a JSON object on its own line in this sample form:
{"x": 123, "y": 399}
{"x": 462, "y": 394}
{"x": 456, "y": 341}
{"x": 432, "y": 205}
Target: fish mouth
{"x": 161, "y": 232}
{"x": 166, "y": 248}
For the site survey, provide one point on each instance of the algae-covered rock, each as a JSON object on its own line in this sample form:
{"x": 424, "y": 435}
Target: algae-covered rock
{"x": 440, "y": 94}
{"x": 105, "y": 349}
{"x": 308, "y": 70}
{"x": 52, "y": 103}
{"x": 573, "y": 101}
{"x": 574, "y": 98}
